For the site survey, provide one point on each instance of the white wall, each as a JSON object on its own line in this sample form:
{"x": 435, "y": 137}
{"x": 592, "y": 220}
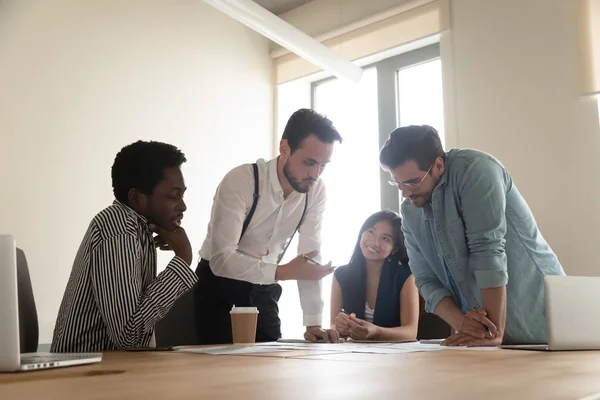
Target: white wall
{"x": 79, "y": 80}
{"x": 516, "y": 96}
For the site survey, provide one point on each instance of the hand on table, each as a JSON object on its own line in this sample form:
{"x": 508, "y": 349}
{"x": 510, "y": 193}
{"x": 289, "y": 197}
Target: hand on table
{"x": 476, "y": 324}
{"x": 475, "y": 330}
{"x": 316, "y": 333}
{"x": 361, "y": 329}
{"x": 462, "y": 339}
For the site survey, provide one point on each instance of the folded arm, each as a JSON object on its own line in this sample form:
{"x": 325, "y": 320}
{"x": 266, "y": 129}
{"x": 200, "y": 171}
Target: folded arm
{"x": 128, "y": 309}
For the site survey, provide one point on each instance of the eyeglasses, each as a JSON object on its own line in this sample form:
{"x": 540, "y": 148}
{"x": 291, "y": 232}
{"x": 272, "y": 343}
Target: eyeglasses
{"x": 401, "y": 185}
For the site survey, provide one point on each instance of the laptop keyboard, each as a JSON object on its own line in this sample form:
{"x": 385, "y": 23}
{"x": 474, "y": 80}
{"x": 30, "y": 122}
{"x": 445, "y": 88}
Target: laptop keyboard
{"x": 50, "y": 358}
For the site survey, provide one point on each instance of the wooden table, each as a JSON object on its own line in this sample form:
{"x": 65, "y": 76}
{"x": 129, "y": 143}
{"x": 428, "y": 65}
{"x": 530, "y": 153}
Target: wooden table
{"x": 456, "y": 374}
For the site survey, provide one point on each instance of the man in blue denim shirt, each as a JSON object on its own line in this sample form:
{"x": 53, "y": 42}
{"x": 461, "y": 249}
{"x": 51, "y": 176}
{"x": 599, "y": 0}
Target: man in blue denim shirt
{"x": 475, "y": 249}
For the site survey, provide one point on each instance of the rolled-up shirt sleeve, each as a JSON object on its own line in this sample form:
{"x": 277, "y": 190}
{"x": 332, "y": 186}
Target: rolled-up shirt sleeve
{"x": 310, "y": 239}
{"x": 482, "y": 190}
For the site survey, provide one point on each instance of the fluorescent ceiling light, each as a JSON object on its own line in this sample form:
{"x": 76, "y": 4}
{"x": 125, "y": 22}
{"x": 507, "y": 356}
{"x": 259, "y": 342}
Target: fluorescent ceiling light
{"x": 269, "y": 25}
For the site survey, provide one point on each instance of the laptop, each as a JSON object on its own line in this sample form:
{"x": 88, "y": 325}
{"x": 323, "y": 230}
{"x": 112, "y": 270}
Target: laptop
{"x": 11, "y": 358}
{"x": 572, "y": 314}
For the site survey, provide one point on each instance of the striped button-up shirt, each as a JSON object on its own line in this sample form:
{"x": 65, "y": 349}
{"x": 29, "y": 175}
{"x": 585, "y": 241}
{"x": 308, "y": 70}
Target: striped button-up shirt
{"x": 114, "y": 298}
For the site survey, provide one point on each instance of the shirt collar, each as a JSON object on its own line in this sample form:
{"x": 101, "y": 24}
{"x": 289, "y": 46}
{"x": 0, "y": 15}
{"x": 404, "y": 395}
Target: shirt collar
{"x": 273, "y": 176}
{"x": 447, "y": 164}
{"x": 143, "y": 220}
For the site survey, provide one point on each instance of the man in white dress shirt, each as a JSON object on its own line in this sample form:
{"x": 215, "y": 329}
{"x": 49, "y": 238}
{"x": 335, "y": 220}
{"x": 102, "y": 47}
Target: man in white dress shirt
{"x": 240, "y": 257}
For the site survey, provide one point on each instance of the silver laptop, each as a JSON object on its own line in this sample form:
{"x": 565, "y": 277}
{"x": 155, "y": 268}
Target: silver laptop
{"x": 10, "y": 357}
{"x": 572, "y": 314}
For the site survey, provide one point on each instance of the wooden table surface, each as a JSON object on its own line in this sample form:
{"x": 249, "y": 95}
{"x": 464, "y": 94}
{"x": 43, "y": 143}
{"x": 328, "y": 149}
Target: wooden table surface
{"x": 502, "y": 374}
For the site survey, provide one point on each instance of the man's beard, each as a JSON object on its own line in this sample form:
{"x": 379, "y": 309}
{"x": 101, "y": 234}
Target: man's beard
{"x": 425, "y": 199}
{"x": 295, "y": 183}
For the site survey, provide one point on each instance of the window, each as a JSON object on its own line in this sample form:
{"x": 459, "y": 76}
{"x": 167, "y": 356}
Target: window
{"x": 352, "y": 178}
{"x": 399, "y": 91}
{"x": 420, "y": 96}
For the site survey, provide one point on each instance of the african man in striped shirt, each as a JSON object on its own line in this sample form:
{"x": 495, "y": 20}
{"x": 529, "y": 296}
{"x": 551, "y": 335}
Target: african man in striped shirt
{"x": 114, "y": 297}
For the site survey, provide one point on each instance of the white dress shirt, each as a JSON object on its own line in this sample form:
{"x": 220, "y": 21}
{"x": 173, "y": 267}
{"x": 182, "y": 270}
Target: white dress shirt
{"x": 254, "y": 259}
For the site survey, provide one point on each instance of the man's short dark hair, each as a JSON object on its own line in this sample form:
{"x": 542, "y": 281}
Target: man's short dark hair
{"x": 420, "y": 143}
{"x": 305, "y": 122}
{"x": 140, "y": 166}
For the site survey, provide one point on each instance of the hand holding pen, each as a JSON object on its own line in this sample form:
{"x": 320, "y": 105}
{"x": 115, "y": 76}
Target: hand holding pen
{"x": 342, "y": 324}
{"x": 303, "y": 267}
{"x": 488, "y": 332}
{"x": 476, "y": 324}
{"x": 312, "y": 260}
{"x": 475, "y": 329}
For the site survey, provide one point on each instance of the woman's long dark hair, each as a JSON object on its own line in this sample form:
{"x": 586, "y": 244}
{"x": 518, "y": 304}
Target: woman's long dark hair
{"x": 357, "y": 267}
{"x": 399, "y": 251}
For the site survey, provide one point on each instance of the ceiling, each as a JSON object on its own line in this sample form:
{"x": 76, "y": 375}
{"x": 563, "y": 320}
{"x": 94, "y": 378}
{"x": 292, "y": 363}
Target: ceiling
{"x": 281, "y": 6}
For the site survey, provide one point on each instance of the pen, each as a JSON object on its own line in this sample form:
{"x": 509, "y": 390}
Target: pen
{"x": 487, "y": 329}
{"x": 350, "y": 315}
{"x": 310, "y": 259}
{"x": 328, "y": 265}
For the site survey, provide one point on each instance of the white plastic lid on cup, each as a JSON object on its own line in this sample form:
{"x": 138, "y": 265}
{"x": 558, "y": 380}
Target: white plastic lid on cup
{"x": 244, "y": 310}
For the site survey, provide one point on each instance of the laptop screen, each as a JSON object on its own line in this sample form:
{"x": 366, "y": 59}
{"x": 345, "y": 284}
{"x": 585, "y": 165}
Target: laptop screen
{"x": 9, "y": 314}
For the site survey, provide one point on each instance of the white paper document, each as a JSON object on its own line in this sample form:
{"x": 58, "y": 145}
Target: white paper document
{"x": 233, "y": 349}
{"x": 348, "y": 347}
{"x": 416, "y": 346}
{"x": 376, "y": 348}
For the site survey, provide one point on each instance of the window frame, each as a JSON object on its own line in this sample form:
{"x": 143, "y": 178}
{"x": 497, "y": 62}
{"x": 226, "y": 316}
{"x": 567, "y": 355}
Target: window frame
{"x": 388, "y": 108}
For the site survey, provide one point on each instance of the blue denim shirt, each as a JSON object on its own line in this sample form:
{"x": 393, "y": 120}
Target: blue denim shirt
{"x": 479, "y": 223}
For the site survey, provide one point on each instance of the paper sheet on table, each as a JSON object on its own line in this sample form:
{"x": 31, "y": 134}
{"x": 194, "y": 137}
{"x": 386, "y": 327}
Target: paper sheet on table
{"x": 472, "y": 348}
{"x": 415, "y": 346}
{"x": 302, "y": 341}
{"x": 376, "y": 348}
{"x": 230, "y": 350}
{"x": 333, "y": 347}
{"x": 379, "y": 348}
{"x": 379, "y": 341}
{"x": 309, "y": 346}
{"x": 434, "y": 347}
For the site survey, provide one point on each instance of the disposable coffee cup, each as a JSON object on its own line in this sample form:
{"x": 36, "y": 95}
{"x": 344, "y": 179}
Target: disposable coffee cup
{"x": 243, "y": 324}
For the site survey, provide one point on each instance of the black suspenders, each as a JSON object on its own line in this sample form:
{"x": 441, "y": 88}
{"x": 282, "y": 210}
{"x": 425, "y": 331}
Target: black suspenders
{"x": 253, "y": 208}
{"x": 254, "y": 201}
